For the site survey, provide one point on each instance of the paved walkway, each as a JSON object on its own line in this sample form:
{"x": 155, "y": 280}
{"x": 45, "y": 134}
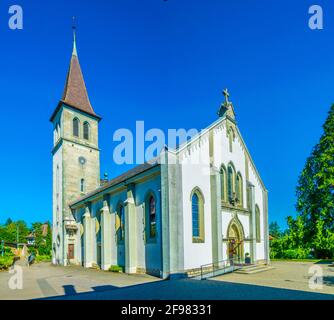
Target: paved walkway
{"x": 286, "y": 281}
{"x": 44, "y": 280}
{"x": 288, "y": 275}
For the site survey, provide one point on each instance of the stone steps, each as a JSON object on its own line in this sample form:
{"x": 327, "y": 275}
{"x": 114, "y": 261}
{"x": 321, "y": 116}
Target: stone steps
{"x": 252, "y": 269}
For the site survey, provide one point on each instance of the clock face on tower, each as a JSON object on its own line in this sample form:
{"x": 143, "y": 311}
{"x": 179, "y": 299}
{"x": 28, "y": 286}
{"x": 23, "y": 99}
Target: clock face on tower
{"x": 82, "y": 161}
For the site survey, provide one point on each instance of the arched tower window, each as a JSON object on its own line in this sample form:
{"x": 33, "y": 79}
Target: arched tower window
{"x": 223, "y": 183}
{"x": 197, "y": 208}
{"x": 82, "y": 185}
{"x": 86, "y": 129}
{"x": 151, "y": 218}
{"x": 76, "y": 124}
{"x": 239, "y": 189}
{"x": 258, "y": 223}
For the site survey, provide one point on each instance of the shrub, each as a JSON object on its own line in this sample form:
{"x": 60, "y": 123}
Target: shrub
{"x": 43, "y": 258}
{"x": 44, "y": 251}
{"x": 8, "y": 251}
{"x": 116, "y": 269}
{"x": 6, "y": 262}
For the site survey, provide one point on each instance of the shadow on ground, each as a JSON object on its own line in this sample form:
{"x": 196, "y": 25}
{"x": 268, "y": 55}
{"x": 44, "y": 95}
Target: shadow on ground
{"x": 187, "y": 289}
{"x": 328, "y": 281}
{"x": 328, "y": 262}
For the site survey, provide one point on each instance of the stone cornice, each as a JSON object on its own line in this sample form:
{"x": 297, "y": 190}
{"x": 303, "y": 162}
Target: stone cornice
{"x": 60, "y": 142}
{"x": 235, "y": 209}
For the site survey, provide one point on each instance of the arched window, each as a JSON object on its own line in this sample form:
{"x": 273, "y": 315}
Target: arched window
{"x": 239, "y": 189}
{"x": 230, "y": 184}
{"x": 223, "y": 183}
{"x": 82, "y": 185}
{"x": 258, "y": 224}
{"x": 76, "y": 124}
{"x": 151, "y": 215}
{"x": 121, "y": 229}
{"x": 195, "y": 213}
{"x": 197, "y": 208}
{"x": 86, "y": 131}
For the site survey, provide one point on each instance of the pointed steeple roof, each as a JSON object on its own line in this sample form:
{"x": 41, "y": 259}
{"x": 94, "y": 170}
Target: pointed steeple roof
{"x": 75, "y": 92}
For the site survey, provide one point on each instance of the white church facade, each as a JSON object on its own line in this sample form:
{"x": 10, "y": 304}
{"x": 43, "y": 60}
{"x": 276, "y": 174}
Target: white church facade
{"x": 167, "y": 217}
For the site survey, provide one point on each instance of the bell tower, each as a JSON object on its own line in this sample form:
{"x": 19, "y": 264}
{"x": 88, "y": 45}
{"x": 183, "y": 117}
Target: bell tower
{"x": 76, "y": 158}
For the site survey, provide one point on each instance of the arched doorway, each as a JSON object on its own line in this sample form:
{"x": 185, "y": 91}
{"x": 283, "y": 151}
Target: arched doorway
{"x": 235, "y": 245}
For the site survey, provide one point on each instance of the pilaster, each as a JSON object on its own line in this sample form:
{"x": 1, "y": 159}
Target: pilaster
{"x": 266, "y": 227}
{"x": 130, "y": 231}
{"x": 106, "y": 236}
{"x": 165, "y": 215}
{"x": 215, "y": 195}
{"x": 88, "y": 249}
{"x": 253, "y": 223}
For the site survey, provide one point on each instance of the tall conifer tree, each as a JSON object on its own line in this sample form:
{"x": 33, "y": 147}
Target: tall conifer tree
{"x": 315, "y": 193}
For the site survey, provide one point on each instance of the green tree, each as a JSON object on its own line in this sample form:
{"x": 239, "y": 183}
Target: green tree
{"x": 38, "y": 233}
{"x": 43, "y": 242}
{"x": 23, "y": 230}
{"x": 323, "y": 241}
{"x": 315, "y": 192}
{"x": 8, "y": 222}
{"x": 8, "y": 232}
{"x": 274, "y": 230}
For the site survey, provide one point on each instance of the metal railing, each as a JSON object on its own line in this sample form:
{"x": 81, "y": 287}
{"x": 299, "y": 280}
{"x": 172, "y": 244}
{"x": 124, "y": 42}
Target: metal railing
{"x": 221, "y": 267}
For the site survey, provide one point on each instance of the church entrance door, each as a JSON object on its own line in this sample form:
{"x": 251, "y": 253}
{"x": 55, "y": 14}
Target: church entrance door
{"x": 235, "y": 247}
{"x": 71, "y": 251}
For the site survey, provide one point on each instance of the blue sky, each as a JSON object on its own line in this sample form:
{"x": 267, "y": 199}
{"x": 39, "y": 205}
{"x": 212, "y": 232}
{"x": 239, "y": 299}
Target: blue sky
{"x": 165, "y": 62}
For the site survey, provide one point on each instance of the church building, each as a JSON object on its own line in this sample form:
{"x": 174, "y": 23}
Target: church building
{"x": 167, "y": 217}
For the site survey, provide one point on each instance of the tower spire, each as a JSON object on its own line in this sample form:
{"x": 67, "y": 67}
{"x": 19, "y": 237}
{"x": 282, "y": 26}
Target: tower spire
{"x": 75, "y": 92}
{"x": 74, "y": 27}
